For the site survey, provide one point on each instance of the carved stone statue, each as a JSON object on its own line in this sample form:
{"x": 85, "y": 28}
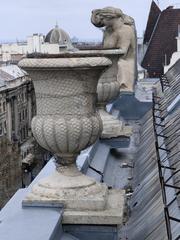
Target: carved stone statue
{"x": 119, "y": 32}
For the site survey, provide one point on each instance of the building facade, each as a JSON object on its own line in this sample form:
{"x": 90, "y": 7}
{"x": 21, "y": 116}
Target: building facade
{"x": 17, "y": 103}
{"x": 17, "y": 107}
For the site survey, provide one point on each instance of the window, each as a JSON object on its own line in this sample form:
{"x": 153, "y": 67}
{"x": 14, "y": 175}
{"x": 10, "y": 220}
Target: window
{"x": 5, "y": 127}
{"x": 19, "y": 116}
{"x": 4, "y": 106}
{"x": 26, "y": 114}
{"x": 25, "y": 97}
{"x": 24, "y": 133}
{"x": 23, "y": 115}
{"x": 21, "y": 135}
{"x": 27, "y": 130}
{"x": 0, "y": 107}
{"x": 13, "y": 123}
{"x": 1, "y": 129}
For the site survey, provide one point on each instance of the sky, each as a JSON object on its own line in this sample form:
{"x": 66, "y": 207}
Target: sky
{"x": 21, "y": 18}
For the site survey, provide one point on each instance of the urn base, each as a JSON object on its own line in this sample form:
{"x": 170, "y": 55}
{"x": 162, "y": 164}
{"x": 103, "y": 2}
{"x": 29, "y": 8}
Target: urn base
{"x": 113, "y": 127}
{"x": 85, "y": 201}
{"x": 112, "y": 214}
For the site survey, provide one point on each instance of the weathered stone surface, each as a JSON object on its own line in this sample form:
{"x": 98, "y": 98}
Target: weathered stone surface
{"x": 111, "y": 215}
{"x": 71, "y": 188}
{"x": 66, "y": 123}
{"x": 119, "y": 33}
{"x": 85, "y": 201}
{"x": 80, "y": 62}
{"x": 107, "y": 90}
{"x": 113, "y": 127}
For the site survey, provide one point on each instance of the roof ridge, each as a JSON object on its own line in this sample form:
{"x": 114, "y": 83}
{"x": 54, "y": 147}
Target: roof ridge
{"x": 152, "y": 20}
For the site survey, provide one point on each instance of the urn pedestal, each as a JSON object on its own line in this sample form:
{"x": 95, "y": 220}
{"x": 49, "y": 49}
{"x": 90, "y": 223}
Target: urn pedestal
{"x": 66, "y": 123}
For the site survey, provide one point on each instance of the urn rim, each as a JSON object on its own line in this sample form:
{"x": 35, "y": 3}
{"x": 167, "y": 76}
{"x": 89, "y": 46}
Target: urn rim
{"x": 65, "y": 63}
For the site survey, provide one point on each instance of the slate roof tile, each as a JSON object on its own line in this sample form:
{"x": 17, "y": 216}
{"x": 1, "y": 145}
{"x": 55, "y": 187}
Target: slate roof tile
{"x": 163, "y": 42}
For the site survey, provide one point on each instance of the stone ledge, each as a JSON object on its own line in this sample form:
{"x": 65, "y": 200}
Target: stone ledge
{"x": 112, "y": 215}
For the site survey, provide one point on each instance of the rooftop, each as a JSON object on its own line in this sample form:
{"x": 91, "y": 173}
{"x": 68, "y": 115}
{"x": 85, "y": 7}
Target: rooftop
{"x": 152, "y": 20}
{"x": 146, "y": 167}
{"x": 13, "y": 71}
{"x": 160, "y": 36}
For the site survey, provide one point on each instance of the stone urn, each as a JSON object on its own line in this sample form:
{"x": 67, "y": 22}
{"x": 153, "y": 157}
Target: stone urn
{"x": 66, "y": 123}
{"x": 107, "y": 91}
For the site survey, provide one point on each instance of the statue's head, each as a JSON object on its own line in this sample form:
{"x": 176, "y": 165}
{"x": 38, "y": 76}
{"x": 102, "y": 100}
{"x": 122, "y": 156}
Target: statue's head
{"x": 103, "y": 17}
{"x": 128, "y": 20}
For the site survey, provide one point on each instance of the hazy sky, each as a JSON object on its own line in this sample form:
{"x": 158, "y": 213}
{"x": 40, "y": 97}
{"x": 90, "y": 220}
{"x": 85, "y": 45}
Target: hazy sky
{"x": 20, "y": 18}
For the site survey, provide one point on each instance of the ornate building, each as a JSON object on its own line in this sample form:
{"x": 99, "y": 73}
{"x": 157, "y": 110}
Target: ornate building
{"x": 17, "y": 104}
{"x": 17, "y": 107}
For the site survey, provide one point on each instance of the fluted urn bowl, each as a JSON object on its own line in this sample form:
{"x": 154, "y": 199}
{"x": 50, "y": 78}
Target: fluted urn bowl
{"x": 65, "y": 88}
{"x": 108, "y": 86}
{"x": 108, "y": 90}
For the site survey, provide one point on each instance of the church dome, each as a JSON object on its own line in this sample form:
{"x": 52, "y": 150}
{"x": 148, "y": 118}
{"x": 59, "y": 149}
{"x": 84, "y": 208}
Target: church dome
{"x": 58, "y": 36}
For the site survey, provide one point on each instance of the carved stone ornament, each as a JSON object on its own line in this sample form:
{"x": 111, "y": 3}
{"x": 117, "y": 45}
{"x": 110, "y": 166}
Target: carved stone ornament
{"x": 66, "y": 123}
{"x": 120, "y": 33}
{"x": 120, "y": 76}
{"x": 108, "y": 90}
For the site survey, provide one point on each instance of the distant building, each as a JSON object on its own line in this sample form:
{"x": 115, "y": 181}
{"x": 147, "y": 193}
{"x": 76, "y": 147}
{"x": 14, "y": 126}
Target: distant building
{"x": 21, "y": 158}
{"x": 17, "y": 103}
{"x": 10, "y": 170}
{"x": 88, "y": 45}
{"x": 57, "y": 37}
{"x": 55, "y": 41}
{"x": 160, "y": 39}
{"x": 17, "y": 107}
